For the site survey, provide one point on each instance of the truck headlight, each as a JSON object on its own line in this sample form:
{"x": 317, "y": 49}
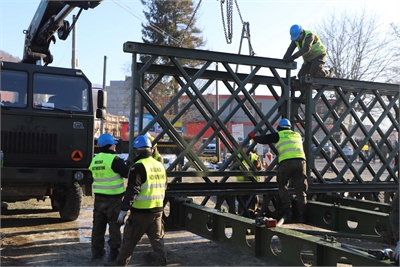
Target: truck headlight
{"x": 79, "y": 175}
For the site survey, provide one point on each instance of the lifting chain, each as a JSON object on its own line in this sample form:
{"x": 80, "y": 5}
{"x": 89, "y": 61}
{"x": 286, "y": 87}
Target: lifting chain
{"x": 229, "y": 20}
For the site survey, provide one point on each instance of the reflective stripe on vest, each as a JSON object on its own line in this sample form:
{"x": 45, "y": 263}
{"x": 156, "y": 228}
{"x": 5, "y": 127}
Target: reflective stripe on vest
{"x": 253, "y": 157}
{"x": 152, "y": 192}
{"x": 290, "y": 145}
{"x": 105, "y": 180}
{"x": 317, "y": 48}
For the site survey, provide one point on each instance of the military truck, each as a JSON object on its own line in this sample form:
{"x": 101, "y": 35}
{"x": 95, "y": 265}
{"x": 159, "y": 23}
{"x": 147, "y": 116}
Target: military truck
{"x": 47, "y": 119}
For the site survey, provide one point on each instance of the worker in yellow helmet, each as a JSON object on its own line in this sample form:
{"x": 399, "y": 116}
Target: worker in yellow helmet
{"x": 156, "y": 155}
{"x": 255, "y": 160}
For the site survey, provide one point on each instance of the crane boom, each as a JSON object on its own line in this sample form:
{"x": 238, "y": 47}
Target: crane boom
{"x": 48, "y": 19}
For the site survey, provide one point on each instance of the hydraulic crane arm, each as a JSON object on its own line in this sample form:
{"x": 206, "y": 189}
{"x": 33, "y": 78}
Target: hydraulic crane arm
{"x": 48, "y": 19}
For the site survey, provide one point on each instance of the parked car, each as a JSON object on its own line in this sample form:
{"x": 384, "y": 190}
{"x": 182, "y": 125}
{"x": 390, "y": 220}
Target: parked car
{"x": 211, "y": 147}
{"x": 348, "y": 151}
{"x": 328, "y": 148}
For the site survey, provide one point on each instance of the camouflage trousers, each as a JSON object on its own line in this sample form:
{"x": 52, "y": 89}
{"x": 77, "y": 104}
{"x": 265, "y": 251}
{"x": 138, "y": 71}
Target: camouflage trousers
{"x": 136, "y": 226}
{"x": 106, "y": 211}
{"x": 394, "y": 216}
{"x": 314, "y": 68}
{"x": 293, "y": 170}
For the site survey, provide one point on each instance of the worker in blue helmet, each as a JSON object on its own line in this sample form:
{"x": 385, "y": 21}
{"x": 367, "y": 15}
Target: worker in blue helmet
{"x": 251, "y": 200}
{"x": 292, "y": 166}
{"x": 313, "y": 52}
{"x": 108, "y": 171}
{"x": 144, "y": 198}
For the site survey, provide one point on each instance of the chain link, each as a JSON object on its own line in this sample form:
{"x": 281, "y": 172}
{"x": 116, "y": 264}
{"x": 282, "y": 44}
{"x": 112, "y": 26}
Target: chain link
{"x": 229, "y": 20}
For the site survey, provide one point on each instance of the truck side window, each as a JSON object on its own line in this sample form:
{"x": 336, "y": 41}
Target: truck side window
{"x": 13, "y": 89}
{"x": 61, "y": 92}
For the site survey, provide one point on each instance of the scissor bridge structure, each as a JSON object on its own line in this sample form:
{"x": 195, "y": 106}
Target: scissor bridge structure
{"x": 343, "y": 189}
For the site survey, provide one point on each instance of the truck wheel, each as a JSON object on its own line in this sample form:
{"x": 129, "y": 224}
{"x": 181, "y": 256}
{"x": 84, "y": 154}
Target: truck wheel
{"x": 70, "y": 205}
{"x": 54, "y": 203}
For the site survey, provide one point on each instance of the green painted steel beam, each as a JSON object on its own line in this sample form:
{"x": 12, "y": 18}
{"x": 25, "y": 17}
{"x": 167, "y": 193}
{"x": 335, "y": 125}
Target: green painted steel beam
{"x": 197, "y": 54}
{"x": 286, "y": 246}
{"x": 347, "y": 219}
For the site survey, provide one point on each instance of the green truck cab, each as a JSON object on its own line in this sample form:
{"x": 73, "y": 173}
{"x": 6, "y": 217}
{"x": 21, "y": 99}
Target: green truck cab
{"x": 47, "y": 121}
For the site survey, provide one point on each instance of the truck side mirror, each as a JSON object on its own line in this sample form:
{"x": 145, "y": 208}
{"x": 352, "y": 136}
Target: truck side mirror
{"x": 101, "y": 99}
{"x": 101, "y": 114}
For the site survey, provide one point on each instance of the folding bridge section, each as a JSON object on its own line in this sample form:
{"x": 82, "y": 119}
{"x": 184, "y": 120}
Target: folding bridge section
{"x": 339, "y": 114}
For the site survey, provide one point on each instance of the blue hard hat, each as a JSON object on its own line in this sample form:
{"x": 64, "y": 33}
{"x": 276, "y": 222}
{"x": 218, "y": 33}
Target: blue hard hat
{"x": 295, "y": 32}
{"x": 141, "y": 142}
{"x": 106, "y": 139}
{"x": 284, "y": 124}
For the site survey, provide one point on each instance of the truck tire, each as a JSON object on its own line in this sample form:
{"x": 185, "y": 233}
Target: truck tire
{"x": 70, "y": 204}
{"x": 54, "y": 203}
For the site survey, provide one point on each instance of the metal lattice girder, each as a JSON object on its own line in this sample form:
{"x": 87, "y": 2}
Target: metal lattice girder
{"x": 345, "y": 108}
{"x": 347, "y": 219}
{"x": 333, "y": 106}
{"x": 286, "y": 246}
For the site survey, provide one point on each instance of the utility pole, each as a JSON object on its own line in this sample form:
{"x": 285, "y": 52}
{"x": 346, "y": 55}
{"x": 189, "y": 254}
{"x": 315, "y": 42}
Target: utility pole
{"x": 104, "y": 89}
{"x": 73, "y": 59}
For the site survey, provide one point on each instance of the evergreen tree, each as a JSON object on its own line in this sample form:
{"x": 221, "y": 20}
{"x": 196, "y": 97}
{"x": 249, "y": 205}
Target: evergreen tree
{"x": 170, "y": 23}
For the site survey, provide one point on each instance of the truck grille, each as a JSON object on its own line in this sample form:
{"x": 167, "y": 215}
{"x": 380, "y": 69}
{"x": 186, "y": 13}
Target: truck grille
{"x": 28, "y": 143}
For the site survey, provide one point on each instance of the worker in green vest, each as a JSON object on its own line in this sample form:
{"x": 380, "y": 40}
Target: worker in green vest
{"x": 108, "y": 171}
{"x": 255, "y": 160}
{"x": 292, "y": 166}
{"x": 144, "y": 198}
{"x": 313, "y": 52}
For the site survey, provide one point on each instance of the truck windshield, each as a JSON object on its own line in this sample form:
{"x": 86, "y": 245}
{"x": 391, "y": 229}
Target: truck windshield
{"x": 60, "y": 92}
{"x": 13, "y": 89}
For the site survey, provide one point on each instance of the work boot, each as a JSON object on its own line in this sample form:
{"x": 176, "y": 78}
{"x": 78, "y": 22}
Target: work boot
{"x": 112, "y": 257}
{"x": 98, "y": 255}
{"x": 287, "y": 215}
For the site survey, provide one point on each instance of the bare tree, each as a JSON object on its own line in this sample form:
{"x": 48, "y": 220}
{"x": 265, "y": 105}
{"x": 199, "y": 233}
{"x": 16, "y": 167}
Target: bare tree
{"x": 359, "y": 47}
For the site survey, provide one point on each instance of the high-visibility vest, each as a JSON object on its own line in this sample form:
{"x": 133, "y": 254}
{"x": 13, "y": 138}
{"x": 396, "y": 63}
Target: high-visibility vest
{"x": 152, "y": 192}
{"x": 290, "y": 145}
{"x": 105, "y": 180}
{"x": 253, "y": 157}
{"x": 317, "y": 48}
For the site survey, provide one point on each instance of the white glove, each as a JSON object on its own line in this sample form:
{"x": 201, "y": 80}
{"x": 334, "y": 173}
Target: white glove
{"x": 121, "y": 216}
{"x": 396, "y": 253}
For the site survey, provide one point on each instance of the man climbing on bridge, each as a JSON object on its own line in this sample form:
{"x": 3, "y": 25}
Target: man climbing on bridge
{"x": 292, "y": 165}
{"x": 313, "y": 52}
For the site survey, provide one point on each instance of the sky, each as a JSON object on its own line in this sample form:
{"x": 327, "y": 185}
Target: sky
{"x": 103, "y": 31}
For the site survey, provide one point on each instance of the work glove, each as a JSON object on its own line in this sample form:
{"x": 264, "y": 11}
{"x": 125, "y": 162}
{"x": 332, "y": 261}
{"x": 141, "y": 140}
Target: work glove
{"x": 396, "y": 253}
{"x": 121, "y": 216}
{"x": 251, "y": 135}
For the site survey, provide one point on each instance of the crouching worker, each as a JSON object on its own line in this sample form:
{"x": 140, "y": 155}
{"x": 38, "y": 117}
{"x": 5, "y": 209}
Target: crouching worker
{"x": 144, "y": 198}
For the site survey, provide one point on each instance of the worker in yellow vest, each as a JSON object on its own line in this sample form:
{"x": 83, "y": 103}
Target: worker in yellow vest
{"x": 292, "y": 166}
{"x": 144, "y": 198}
{"x": 108, "y": 171}
{"x": 255, "y": 160}
{"x": 313, "y": 52}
